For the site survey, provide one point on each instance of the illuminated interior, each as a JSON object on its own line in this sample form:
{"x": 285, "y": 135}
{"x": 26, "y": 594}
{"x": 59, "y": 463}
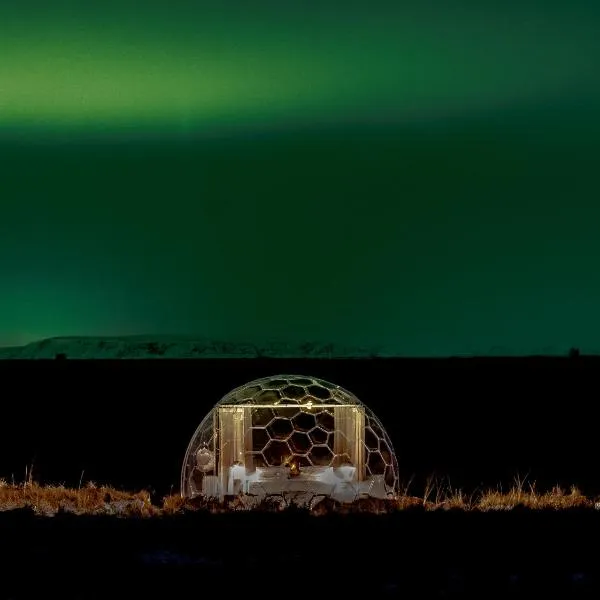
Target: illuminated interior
{"x": 292, "y": 436}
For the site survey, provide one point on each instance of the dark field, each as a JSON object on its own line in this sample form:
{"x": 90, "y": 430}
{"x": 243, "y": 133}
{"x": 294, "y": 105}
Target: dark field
{"x": 433, "y": 554}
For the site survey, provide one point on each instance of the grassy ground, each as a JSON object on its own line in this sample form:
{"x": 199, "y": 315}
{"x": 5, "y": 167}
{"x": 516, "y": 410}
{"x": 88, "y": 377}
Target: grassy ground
{"x": 522, "y": 542}
{"x": 90, "y": 499}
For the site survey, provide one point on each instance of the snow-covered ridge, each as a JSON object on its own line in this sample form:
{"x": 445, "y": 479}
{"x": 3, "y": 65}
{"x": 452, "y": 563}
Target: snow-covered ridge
{"x": 178, "y": 347}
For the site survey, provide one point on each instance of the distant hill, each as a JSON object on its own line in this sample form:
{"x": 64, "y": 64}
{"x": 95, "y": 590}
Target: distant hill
{"x": 183, "y": 347}
{"x": 144, "y": 347}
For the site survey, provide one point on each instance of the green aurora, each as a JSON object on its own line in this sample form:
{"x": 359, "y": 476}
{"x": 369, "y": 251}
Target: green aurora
{"x": 420, "y": 177}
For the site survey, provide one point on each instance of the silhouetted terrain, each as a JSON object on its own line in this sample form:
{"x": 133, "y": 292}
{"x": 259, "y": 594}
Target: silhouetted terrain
{"x": 439, "y": 554}
{"x": 180, "y": 347}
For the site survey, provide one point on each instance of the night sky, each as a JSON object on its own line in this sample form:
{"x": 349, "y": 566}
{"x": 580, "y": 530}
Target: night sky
{"x": 417, "y": 176}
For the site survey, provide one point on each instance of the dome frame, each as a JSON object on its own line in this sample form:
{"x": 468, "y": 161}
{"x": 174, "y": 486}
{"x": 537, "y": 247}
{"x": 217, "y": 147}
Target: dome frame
{"x": 293, "y": 436}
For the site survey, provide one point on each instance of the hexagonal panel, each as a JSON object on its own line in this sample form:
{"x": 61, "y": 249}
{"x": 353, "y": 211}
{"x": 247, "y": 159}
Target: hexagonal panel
{"x": 375, "y": 464}
{"x": 286, "y": 412}
{"x": 301, "y": 381}
{"x": 304, "y": 421}
{"x": 260, "y": 438}
{"x": 371, "y": 440}
{"x": 280, "y": 428}
{"x": 319, "y": 392}
{"x": 385, "y": 451}
{"x": 251, "y": 390}
{"x": 325, "y": 420}
{"x": 320, "y": 456}
{"x": 318, "y": 435}
{"x": 299, "y": 443}
{"x": 289, "y": 401}
{"x": 276, "y": 453}
{"x": 268, "y": 397}
{"x": 261, "y": 417}
{"x": 277, "y": 383}
{"x": 294, "y": 392}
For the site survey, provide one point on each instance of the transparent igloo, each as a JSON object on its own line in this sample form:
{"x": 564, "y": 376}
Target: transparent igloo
{"x": 290, "y": 436}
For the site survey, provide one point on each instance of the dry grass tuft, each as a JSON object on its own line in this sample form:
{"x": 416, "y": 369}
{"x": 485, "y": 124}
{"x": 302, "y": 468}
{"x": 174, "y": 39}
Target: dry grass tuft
{"x": 555, "y": 499}
{"x": 443, "y": 497}
{"x": 90, "y": 500}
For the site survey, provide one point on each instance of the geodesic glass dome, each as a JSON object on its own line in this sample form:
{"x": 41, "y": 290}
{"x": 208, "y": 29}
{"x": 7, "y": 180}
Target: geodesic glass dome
{"x": 290, "y": 435}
